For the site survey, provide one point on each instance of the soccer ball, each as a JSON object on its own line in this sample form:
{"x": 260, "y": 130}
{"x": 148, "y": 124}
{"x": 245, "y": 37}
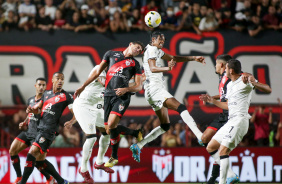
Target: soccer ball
{"x": 153, "y": 19}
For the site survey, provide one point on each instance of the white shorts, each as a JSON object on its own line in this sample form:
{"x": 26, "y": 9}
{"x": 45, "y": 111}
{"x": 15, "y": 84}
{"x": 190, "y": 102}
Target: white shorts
{"x": 87, "y": 117}
{"x": 156, "y": 97}
{"x": 232, "y": 133}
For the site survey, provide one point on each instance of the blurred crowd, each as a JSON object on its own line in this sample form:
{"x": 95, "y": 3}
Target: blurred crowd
{"x": 249, "y": 16}
{"x": 265, "y": 130}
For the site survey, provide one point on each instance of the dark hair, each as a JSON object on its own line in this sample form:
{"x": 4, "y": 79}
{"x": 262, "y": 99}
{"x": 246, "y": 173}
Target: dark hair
{"x": 235, "y": 65}
{"x": 40, "y": 78}
{"x": 224, "y": 57}
{"x": 58, "y": 73}
{"x": 156, "y": 34}
{"x": 139, "y": 43}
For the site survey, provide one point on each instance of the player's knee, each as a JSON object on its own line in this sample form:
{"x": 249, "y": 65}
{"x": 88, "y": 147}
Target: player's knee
{"x": 165, "y": 126}
{"x": 205, "y": 138}
{"x": 181, "y": 108}
{"x": 12, "y": 151}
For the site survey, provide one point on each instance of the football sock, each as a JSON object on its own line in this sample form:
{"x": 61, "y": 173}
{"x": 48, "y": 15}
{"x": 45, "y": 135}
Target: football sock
{"x": 224, "y": 165}
{"x": 40, "y": 167}
{"x": 115, "y": 138}
{"x": 51, "y": 170}
{"x": 16, "y": 164}
{"x": 187, "y": 118}
{"x": 127, "y": 131}
{"x": 215, "y": 156}
{"x": 103, "y": 147}
{"x": 29, "y": 166}
{"x": 151, "y": 136}
{"x": 215, "y": 171}
{"x": 86, "y": 152}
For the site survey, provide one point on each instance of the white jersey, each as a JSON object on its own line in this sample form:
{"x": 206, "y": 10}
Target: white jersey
{"x": 239, "y": 97}
{"x": 93, "y": 94}
{"x": 153, "y": 79}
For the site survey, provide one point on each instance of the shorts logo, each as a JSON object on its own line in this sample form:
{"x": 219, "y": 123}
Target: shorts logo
{"x": 99, "y": 106}
{"x": 113, "y": 142}
{"x": 42, "y": 139}
{"x": 120, "y": 107}
{"x": 57, "y": 99}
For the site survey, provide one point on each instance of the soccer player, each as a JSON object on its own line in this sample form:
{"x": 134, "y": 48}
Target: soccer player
{"x": 89, "y": 112}
{"x": 50, "y": 107}
{"x": 239, "y": 93}
{"x": 156, "y": 94}
{"x": 26, "y": 138}
{"x": 121, "y": 68}
{"x": 217, "y": 123}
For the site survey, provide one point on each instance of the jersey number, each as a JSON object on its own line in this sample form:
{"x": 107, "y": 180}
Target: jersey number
{"x": 231, "y": 128}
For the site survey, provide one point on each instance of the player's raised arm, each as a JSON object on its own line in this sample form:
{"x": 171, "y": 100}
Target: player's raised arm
{"x": 169, "y": 57}
{"x": 156, "y": 69}
{"x": 210, "y": 99}
{"x": 92, "y": 77}
{"x": 247, "y": 77}
{"x": 35, "y": 109}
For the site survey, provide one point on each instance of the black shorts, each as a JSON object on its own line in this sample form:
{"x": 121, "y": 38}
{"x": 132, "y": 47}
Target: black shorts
{"x": 25, "y": 138}
{"x": 115, "y": 105}
{"x": 44, "y": 140}
{"x": 219, "y": 122}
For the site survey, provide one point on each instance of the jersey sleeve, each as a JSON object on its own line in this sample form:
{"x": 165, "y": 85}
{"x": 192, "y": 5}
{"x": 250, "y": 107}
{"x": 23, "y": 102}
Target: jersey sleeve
{"x": 153, "y": 52}
{"x": 138, "y": 70}
{"x": 69, "y": 100}
{"x": 106, "y": 57}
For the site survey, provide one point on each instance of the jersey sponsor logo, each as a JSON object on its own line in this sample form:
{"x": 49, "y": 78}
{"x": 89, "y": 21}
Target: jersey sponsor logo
{"x": 162, "y": 164}
{"x": 47, "y": 109}
{"x": 32, "y": 117}
{"x": 49, "y": 92}
{"x": 116, "y": 55}
{"x": 42, "y": 139}
{"x": 121, "y": 107}
{"x": 31, "y": 101}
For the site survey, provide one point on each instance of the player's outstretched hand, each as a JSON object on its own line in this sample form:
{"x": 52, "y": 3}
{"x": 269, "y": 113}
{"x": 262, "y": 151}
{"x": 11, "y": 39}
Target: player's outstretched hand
{"x": 120, "y": 91}
{"x": 78, "y": 91}
{"x": 29, "y": 109}
{"x": 245, "y": 78}
{"x": 171, "y": 64}
{"x": 22, "y": 126}
{"x": 68, "y": 124}
{"x": 206, "y": 98}
{"x": 200, "y": 59}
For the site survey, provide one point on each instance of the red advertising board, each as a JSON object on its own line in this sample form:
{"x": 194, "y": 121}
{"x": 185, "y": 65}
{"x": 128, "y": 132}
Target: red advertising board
{"x": 168, "y": 165}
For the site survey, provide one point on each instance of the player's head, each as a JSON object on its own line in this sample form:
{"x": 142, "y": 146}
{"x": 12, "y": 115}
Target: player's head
{"x": 233, "y": 67}
{"x": 58, "y": 80}
{"x": 221, "y": 61}
{"x": 40, "y": 85}
{"x": 136, "y": 48}
{"x": 157, "y": 39}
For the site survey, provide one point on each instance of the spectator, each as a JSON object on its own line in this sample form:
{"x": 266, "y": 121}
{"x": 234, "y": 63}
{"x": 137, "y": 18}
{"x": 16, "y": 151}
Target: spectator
{"x": 186, "y": 22}
{"x": 196, "y": 15}
{"x": 118, "y": 23}
{"x": 169, "y": 21}
{"x": 85, "y": 20}
{"x": 261, "y": 121}
{"x": 8, "y": 6}
{"x": 50, "y": 10}
{"x": 95, "y": 6}
{"x": 112, "y": 8}
{"x": 254, "y": 26}
{"x": 59, "y": 21}
{"x": 208, "y": 23}
{"x": 73, "y": 23}
{"x": 68, "y": 7}
{"x": 134, "y": 21}
{"x": 262, "y": 8}
{"x": 66, "y": 138}
{"x": 11, "y": 22}
{"x": 169, "y": 139}
{"x": 239, "y": 23}
{"x": 14, "y": 125}
{"x": 223, "y": 14}
{"x": 278, "y": 135}
{"x": 27, "y": 12}
{"x": 270, "y": 20}
{"x": 101, "y": 22}
{"x": 180, "y": 8}
{"x": 203, "y": 11}
{"x": 43, "y": 21}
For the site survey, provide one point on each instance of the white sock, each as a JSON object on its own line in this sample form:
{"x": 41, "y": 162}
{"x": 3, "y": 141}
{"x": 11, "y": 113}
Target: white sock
{"x": 103, "y": 147}
{"x": 151, "y": 136}
{"x": 187, "y": 118}
{"x": 86, "y": 152}
{"x": 224, "y": 165}
{"x": 216, "y": 158}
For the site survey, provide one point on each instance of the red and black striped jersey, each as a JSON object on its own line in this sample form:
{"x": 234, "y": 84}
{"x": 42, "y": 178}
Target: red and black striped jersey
{"x": 33, "y": 119}
{"x": 222, "y": 88}
{"x": 120, "y": 71}
{"x": 52, "y": 109}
